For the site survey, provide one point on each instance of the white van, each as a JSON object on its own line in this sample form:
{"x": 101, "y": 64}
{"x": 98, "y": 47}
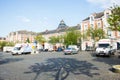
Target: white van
{"x": 106, "y": 47}
{"x": 7, "y": 49}
{"x": 21, "y": 50}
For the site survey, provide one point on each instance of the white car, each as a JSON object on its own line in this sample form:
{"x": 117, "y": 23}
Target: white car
{"x": 21, "y": 50}
{"x": 7, "y": 49}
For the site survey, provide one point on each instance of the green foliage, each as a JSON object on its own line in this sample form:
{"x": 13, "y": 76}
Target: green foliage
{"x": 40, "y": 38}
{"x": 4, "y": 43}
{"x": 28, "y": 40}
{"x": 71, "y": 37}
{"x": 95, "y": 33}
{"x": 114, "y": 19}
{"x": 54, "y": 39}
{"x": 10, "y": 44}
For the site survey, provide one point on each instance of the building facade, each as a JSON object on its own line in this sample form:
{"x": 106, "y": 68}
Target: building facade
{"x": 21, "y": 36}
{"x": 99, "y": 20}
{"x": 61, "y": 30}
{"x": 2, "y": 39}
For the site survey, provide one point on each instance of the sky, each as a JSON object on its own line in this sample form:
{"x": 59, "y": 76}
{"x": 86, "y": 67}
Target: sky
{"x": 41, "y": 15}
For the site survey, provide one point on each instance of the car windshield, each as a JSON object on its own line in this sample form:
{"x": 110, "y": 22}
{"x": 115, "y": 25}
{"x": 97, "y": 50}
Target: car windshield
{"x": 68, "y": 48}
{"x": 17, "y": 48}
{"x": 104, "y": 45}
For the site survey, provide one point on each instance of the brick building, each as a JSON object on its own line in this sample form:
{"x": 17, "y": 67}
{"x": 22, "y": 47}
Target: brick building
{"x": 97, "y": 20}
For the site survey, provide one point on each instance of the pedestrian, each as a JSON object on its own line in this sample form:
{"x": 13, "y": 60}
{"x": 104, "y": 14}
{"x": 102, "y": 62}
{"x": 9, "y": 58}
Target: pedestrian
{"x": 86, "y": 46}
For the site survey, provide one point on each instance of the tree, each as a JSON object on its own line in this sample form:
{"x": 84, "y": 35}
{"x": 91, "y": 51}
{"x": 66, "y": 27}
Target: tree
{"x": 4, "y": 43}
{"x": 39, "y": 38}
{"x": 71, "y": 37}
{"x": 10, "y": 44}
{"x": 28, "y": 40}
{"x": 96, "y": 33}
{"x": 54, "y": 39}
{"x": 114, "y": 18}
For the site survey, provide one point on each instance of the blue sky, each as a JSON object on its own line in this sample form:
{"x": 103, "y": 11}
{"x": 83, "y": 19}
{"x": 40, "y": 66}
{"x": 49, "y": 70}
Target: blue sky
{"x": 41, "y": 15}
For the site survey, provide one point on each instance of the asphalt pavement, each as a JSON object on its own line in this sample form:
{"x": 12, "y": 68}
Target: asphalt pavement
{"x": 57, "y": 66}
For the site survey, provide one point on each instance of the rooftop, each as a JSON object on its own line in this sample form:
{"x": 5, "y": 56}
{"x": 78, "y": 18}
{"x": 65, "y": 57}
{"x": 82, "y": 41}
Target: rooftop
{"x": 96, "y": 15}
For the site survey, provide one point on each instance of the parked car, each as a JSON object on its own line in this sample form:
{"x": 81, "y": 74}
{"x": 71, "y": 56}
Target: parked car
{"x": 70, "y": 51}
{"x": 74, "y": 46}
{"x": 59, "y": 49}
{"x": 89, "y": 48}
{"x": 7, "y": 49}
{"x": 106, "y": 47}
{"x": 16, "y": 50}
{"x": 21, "y": 50}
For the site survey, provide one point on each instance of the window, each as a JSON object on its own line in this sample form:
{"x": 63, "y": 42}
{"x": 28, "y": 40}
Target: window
{"x": 109, "y": 33}
{"x": 119, "y": 33}
{"x": 92, "y": 18}
{"x": 85, "y": 27}
{"x": 107, "y": 15}
{"x": 99, "y": 25}
{"x": 92, "y": 26}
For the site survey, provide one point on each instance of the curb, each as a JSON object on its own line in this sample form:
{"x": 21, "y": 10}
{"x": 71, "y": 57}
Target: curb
{"x": 116, "y": 68}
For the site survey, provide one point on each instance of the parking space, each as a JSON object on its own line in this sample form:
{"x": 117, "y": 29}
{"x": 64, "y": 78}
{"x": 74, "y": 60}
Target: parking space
{"x": 57, "y": 66}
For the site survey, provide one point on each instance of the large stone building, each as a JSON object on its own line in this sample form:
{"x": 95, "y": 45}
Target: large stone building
{"x": 21, "y": 36}
{"x": 61, "y": 30}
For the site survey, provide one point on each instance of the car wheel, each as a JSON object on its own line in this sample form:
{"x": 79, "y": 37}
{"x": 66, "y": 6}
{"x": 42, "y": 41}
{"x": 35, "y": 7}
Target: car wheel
{"x": 13, "y": 54}
{"x": 108, "y": 55}
{"x": 97, "y": 55}
{"x": 72, "y": 53}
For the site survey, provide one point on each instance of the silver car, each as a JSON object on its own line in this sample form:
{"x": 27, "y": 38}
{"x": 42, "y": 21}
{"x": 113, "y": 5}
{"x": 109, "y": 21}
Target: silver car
{"x": 70, "y": 51}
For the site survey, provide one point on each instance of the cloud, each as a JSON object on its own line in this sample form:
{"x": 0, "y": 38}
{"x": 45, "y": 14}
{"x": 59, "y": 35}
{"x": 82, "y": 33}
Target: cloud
{"x": 104, "y": 3}
{"x": 23, "y": 19}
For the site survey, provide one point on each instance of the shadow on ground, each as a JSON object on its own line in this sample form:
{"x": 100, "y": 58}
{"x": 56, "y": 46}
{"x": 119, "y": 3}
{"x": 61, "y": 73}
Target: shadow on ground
{"x": 112, "y": 60}
{"x": 62, "y": 67}
{"x": 9, "y": 60}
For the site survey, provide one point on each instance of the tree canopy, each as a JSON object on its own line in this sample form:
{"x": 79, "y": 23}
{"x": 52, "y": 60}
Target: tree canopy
{"x": 39, "y": 38}
{"x": 71, "y": 37}
{"x": 54, "y": 39}
{"x": 114, "y": 18}
{"x": 95, "y": 33}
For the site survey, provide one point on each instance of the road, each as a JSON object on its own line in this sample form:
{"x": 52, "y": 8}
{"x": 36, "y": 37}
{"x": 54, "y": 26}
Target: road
{"x": 57, "y": 66}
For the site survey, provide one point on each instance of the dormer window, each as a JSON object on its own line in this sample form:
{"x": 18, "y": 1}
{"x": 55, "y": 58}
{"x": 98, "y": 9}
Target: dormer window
{"x": 107, "y": 15}
{"x": 92, "y": 18}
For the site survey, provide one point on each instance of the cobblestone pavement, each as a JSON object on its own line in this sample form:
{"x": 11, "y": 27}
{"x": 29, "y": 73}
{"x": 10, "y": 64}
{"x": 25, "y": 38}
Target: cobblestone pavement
{"x": 57, "y": 66}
